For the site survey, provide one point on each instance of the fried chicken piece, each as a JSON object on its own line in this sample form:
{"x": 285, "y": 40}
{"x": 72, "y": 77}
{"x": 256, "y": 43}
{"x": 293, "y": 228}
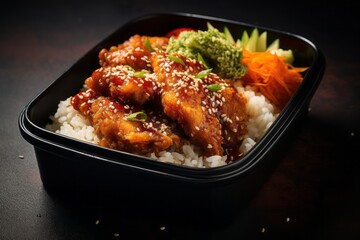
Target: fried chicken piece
{"x": 124, "y": 84}
{"x": 116, "y": 128}
{"x": 210, "y": 109}
{"x": 135, "y": 52}
{"x": 184, "y": 99}
{"x": 229, "y": 106}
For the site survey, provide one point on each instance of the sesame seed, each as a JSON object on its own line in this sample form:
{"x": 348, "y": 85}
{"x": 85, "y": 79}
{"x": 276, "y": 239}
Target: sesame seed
{"x": 21, "y": 156}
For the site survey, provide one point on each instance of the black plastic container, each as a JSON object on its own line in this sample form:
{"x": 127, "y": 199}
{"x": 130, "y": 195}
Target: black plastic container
{"x": 67, "y": 164}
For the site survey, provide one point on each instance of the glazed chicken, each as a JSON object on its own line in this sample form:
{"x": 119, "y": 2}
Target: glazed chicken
{"x": 124, "y": 84}
{"x": 181, "y": 99}
{"x": 125, "y": 127}
{"x": 135, "y": 52}
{"x": 202, "y": 105}
{"x": 229, "y": 107}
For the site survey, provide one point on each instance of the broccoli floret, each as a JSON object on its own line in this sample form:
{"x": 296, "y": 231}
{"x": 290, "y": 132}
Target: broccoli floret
{"x": 221, "y": 54}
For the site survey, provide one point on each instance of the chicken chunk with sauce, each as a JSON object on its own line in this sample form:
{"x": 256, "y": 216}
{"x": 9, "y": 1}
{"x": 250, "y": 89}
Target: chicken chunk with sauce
{"x": 135, "y": 52}
{"x": 229, "y": 106}
{"x": 111, "y": 122}
{"x": 212, "y": 119}
{"x": 123, "y": 84}
{"x": 207, "y": 109}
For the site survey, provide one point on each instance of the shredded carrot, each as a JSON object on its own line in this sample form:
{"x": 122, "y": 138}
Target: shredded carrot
{"x": 275, "y": 79}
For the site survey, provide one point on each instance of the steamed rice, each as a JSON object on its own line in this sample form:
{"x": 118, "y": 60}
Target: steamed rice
{"x": 262, "y": 114}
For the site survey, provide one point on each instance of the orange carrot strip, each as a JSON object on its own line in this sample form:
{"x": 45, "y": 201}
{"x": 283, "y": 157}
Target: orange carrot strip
{"x": 275, "y": 79}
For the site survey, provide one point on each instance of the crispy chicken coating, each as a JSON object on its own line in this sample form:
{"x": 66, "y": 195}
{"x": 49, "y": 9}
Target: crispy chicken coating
{"x": 118, "y": 129}
{"x": 181, "y": 100}
{"x": 208, "y": 108}
{"x": 229, "y": 107}
{"x": 134, "y": 52}
{"x": 124, "y": 84}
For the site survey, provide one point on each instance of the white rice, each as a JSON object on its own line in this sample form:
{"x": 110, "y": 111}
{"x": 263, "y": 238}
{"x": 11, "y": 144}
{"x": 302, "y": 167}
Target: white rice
{"x": 69, "y": 122}
{"x": 262, "y": 114}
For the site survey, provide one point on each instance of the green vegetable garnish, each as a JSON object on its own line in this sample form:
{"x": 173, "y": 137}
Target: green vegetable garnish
{"x": 202, "y": 60}
{"x": 137, "y": 117}
{"x": 129, "y": 67}
{"x": 140, "y": 74}
{"x": 176, "y": 59}
{"x": 221, "y": 54}
{"x": 203, "y": 73}
{"x": 228, "y": 35}
{"x": 209, "y": 26}
{"x": 244, "y": 39}
{"x": 252, "y": 42}
{"x": 274, "y": 45}
{"x": 214, "y": 87}
{"x": 148, "y": 45}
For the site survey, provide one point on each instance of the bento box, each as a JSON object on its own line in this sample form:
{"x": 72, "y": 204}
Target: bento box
{"x": 69, "y": 164}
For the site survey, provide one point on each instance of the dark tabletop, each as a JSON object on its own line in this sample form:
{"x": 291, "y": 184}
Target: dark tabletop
{"x": 314, "y": 192}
